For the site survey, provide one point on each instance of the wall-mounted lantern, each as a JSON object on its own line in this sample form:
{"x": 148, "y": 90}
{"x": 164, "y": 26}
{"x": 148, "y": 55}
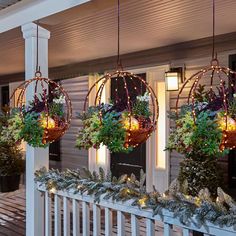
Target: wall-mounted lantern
{"x": 173, "y": 77}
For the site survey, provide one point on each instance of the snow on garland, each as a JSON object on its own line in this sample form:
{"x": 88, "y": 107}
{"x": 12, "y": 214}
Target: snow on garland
{"x": 203, "y": 208}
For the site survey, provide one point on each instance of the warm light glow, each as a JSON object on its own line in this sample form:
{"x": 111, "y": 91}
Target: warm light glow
{"x": 130, "y": 123}
{"x": 198, "y": 201}
{"x": 142, "y": 202}
{"x": 52, "y": 190}
{"x": 161, "y": 162}
{"x": 172, "y": 81}
{"x": 101, "y": 155}
{"x": 48, "y": 123}
{"x": 231, "y": 123}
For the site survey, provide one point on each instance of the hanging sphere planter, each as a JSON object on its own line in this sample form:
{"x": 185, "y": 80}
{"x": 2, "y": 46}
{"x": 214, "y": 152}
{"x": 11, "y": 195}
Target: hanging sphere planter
{"x": 46, "y": 117}
{"x": 217, "y": 84}
{"x": 134, "y": 107}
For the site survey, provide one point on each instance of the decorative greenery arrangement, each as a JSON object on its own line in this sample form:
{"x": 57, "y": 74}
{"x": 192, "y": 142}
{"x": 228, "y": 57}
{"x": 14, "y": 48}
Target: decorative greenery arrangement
{"x": 11, "y": 159}
{"x": 198, "y": 210}
{"x": 112, "y": 133}
{"x": 32, "y": 132}
{"x": 180, "y": 137}
{"x": 141, "y": 106}
{"x": 207, "y": 136}
{"x": 44, "y": 116}
{"x": 199, "y": 142}
{"x": 110, "y": 124}
{"x": 88, "y": 136}
{"x": 94, "y": 133}
{"x": 232, "y": 108}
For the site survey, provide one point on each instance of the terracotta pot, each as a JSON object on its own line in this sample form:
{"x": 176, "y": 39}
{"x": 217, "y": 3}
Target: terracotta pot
{"x": 228, "y": 140}
{"x": 51, "y": 135}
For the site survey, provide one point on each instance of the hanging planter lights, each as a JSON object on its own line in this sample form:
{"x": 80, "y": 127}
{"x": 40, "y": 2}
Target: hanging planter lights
{"x": 216, "y": 95}
{"x": 137, "y": 118}
{"x": 127, "y": 120}
{"x": 46, "y": 117}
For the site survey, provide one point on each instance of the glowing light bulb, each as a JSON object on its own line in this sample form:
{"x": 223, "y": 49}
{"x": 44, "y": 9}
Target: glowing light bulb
{"x": 231, "y": 123}
{"x": 52, "y": 190}
{"x": 142, "y": 202}
{"x": 47, "y": 123}
{"x": 130, "y": 123}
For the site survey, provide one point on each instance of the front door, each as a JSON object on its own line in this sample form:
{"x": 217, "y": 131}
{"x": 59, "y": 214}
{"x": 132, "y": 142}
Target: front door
{"x": 122, "y": 163}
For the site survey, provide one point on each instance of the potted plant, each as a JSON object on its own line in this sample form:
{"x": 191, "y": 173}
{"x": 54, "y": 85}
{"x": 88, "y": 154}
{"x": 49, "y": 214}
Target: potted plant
{"x": 199, "y": 142}
{"x": 44, "y": 119}
{"x": 12, "y": 164}
{"x": 108, "y": 131}
{"x": 115, "y": 127}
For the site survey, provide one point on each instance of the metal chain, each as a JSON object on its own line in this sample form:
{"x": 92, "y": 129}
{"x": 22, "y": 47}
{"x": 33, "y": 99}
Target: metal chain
{"x": 119, "y": 64}
{"x": 37, "y": 69}
{"x": 213, "y": 30}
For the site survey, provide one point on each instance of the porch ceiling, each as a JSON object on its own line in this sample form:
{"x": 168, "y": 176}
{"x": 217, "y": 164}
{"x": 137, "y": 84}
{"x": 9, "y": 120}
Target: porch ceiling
{"x": 89, "y": 31}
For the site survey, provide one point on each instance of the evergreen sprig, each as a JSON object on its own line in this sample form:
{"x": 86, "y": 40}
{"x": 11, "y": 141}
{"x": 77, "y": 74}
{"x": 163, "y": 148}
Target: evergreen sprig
{"x": 106, "y": 130}
{"x": 31, "y": 131}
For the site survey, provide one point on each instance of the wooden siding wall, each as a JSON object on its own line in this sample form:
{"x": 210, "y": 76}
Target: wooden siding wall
{"x": 71, "y": 157}
{"x": 192, "y": 66}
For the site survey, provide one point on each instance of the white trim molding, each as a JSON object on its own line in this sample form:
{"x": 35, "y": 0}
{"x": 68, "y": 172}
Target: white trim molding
{"x": 157, "y": 160}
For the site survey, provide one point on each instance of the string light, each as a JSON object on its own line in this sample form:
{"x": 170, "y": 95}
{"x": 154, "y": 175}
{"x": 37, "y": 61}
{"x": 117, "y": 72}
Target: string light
{"x": 135, "y": 133}
{"x": 142, "y": 202}
{"x": 52, "y": 190}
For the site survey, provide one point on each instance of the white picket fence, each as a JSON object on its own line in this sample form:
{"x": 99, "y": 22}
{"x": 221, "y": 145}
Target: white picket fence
{"x": 74, "y": 214}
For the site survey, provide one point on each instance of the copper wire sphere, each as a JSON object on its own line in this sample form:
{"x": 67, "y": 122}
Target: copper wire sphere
{"x": 213, "y": 76}
{"x": 140, "y": 135}
{"x": 44, "y": 90}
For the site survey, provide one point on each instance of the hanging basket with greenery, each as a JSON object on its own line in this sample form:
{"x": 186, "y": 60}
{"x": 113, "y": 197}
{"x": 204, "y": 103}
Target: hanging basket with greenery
{"x": 125, "y": 122}
{"x": 45, "y": 117}
{"x": 199, "y": 134}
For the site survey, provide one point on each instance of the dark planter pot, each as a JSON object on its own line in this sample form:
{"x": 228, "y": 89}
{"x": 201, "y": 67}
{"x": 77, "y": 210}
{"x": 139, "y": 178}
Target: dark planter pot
{"x": 9, "y": 183}
{"x": 195, "y": 233}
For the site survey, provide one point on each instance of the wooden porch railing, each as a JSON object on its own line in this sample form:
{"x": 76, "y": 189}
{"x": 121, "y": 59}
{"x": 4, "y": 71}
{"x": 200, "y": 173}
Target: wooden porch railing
{"x": 74, "y": 214}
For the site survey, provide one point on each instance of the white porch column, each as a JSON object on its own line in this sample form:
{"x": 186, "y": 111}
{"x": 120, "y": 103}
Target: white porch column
{"x": 35, "y": 157}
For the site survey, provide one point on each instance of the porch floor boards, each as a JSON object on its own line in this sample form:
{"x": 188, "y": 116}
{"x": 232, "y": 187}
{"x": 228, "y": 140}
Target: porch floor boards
{"x": 12, "y": 213}
{"x": 13, "y": 216}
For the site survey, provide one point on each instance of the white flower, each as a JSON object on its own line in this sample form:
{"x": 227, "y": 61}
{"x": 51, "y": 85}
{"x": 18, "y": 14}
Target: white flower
{"x": 201, "y": 105}
{"x": 144, "y": 98}
{"x": 60, "y": 100}
{"x": 234, "y": 95}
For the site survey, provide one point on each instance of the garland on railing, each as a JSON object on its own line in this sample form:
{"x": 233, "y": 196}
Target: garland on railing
{"x": 198, "y": 210}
